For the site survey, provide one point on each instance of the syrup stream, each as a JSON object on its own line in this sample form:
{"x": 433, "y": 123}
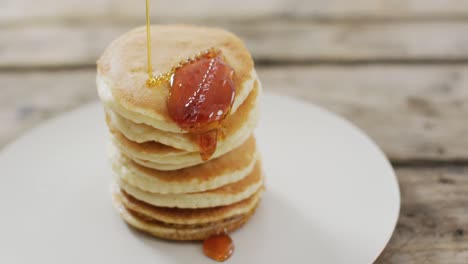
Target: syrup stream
{"x": 151, "y": 80}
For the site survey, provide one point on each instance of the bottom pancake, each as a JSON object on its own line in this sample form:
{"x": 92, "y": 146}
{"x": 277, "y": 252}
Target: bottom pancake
{"x": 176, "y": 231}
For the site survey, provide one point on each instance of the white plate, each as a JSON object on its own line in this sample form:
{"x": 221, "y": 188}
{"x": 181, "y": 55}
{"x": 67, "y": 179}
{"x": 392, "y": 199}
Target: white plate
{"x": 331, "y": 195}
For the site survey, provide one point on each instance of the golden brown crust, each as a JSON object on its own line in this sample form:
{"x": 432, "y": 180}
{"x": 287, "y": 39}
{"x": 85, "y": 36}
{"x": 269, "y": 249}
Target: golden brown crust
{"x": 145, "y": 147}
{"x": 171, "y": 233}
{"x": 236, "y": 160}
{"x": 238, "y": 187}
{"x": 187, "y": 216}
{"x": 123, "y": 64}
{"x": 224, "y": 195}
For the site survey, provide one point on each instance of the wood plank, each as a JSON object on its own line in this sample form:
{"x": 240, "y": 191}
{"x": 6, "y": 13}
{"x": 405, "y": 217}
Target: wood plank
{"x": 19, "y": 10}
{"x": 54, "y": 45}
{"x": 28, "y": 99}
{"x": 412, "y": 112}
{"x": 433, "y": 222}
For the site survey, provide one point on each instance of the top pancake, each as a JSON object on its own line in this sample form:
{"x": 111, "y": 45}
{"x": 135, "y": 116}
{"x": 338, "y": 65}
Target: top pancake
{"x": 122, "y": 69}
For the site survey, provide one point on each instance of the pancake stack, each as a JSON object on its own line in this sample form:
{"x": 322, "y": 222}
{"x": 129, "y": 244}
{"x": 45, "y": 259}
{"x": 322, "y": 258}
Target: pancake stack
{"x": 163, "y": 186}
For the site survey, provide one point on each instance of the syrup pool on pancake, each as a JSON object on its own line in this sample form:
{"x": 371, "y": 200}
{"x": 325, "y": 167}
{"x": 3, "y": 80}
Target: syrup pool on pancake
{"x": 201, "y": 96}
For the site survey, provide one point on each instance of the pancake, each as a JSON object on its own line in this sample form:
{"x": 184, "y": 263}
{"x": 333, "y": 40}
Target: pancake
{"x": 180, "y": 232}
{"x": 225, "y": 195}
{"x": 122, "y": 69}
{"x": 229, "y": 168}
{"x": 162, "y": 157}
{"x": 162, "y": 186}
{"x": 168, "y": 167}
{"x": 235, "y": 127}
{"x": 188, "y": 216}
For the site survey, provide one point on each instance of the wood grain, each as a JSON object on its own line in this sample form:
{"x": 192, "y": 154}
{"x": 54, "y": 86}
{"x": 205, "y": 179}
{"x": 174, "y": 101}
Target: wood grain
{"x": 28, "y": 99}
{"x": 433, "y": 222}
{"x": 61, "y": 44}
{"x": 20, "y": 10}
{"x": 413, "y": 113}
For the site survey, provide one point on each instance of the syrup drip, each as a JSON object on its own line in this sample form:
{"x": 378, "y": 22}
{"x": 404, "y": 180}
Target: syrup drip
{"x": 201, "y": 96}
{"x": 207, "y": 142}
{"x": 218, "y": 247}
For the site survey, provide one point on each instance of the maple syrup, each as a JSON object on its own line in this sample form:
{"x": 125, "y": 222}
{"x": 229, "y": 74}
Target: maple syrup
{"x": 151, "y": 81}
{"x": 207, "y": 142}
{"x": 218, "y": 247}
{"x": 201, "y": 96}
{"x": 202, "y": 93}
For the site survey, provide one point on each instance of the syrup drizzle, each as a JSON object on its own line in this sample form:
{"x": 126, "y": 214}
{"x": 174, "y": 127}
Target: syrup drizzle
{"x": 197, "y": 115}
{"x": 151, "y": 81}
{"x": 218, "y": 247}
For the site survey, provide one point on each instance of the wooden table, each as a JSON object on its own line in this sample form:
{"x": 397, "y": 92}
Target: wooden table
{"x": 396, "y": 68}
